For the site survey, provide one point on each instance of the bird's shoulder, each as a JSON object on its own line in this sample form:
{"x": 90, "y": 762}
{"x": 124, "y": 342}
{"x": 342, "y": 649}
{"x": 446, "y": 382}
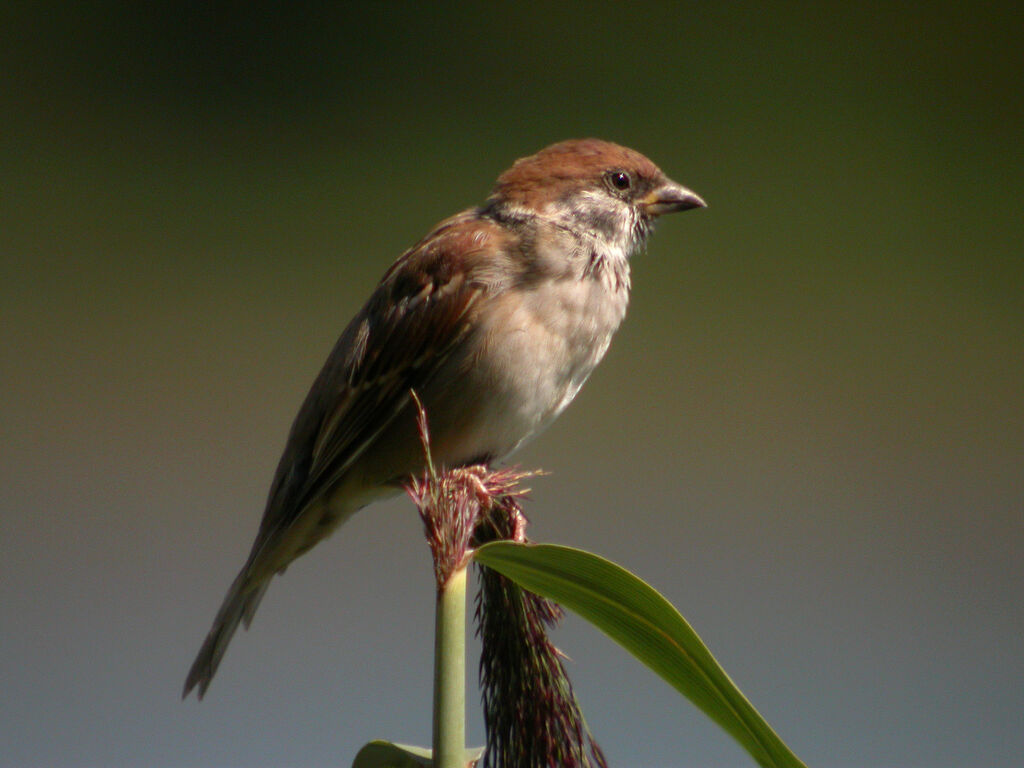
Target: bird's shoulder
{"x": 466, "y": 251}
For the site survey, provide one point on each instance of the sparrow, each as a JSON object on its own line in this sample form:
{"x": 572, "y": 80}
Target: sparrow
{"x": 495, "y": 320}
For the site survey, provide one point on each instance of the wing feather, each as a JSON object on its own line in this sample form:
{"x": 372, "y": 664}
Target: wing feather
{"x": 421, "y": 311}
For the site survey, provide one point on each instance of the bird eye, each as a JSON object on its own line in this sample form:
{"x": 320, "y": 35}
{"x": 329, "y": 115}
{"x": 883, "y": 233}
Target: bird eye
{"x": 619, "y": 180}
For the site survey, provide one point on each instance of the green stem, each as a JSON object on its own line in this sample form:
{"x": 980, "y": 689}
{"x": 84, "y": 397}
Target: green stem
{"x": 450, "y": 673}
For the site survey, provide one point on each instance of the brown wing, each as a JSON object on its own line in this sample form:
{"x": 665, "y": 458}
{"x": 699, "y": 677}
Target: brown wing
{"x": 420, "y": 312}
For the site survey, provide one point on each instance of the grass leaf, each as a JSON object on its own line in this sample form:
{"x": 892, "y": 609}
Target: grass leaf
{"x": 643, "y": 622}
{"x": 384, "y": 754}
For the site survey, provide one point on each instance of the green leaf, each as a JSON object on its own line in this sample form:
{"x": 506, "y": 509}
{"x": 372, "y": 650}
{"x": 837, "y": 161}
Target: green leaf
{"x": 384, "y": 754}
{"x": 644, "y": 623}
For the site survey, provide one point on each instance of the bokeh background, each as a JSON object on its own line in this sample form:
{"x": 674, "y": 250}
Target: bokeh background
{"x": 809, "y": 434}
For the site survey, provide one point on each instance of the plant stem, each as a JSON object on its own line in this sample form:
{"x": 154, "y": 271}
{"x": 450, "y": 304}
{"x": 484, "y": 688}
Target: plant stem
{"x": 450, "y": 673}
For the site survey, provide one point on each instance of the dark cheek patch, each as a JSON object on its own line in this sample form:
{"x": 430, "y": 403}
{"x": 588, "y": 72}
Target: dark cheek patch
{"x": 605, "y": 223}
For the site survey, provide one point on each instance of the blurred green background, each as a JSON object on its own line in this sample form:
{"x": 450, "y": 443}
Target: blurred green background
{"x": 809, "y": 434}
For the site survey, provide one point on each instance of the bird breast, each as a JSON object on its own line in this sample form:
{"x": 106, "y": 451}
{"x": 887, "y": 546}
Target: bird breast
{"x": 535, "y": 348}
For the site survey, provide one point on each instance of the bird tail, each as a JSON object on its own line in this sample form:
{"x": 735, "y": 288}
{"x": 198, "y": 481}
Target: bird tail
{"x": 238, "y": 608}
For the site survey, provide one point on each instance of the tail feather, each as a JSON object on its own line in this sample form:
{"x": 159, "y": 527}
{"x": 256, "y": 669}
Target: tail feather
{"x": 274, "y": 549}
{"x": 239, "y": 607}
{"x": 253, "y": 602}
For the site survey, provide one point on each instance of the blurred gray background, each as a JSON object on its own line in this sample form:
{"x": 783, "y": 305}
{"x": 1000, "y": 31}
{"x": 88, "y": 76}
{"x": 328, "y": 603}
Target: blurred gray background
{"x": 809, "y": 434}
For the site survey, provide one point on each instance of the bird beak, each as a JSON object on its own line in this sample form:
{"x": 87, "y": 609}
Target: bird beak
{"x": 669, "y": 198}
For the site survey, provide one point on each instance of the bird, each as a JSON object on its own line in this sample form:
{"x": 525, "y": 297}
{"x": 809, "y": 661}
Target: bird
{"x": 494, "y": 321}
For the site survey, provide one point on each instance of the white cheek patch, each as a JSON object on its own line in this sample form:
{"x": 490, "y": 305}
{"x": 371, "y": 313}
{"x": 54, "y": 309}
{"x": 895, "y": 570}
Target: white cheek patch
{"x": 595, "y": 215}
